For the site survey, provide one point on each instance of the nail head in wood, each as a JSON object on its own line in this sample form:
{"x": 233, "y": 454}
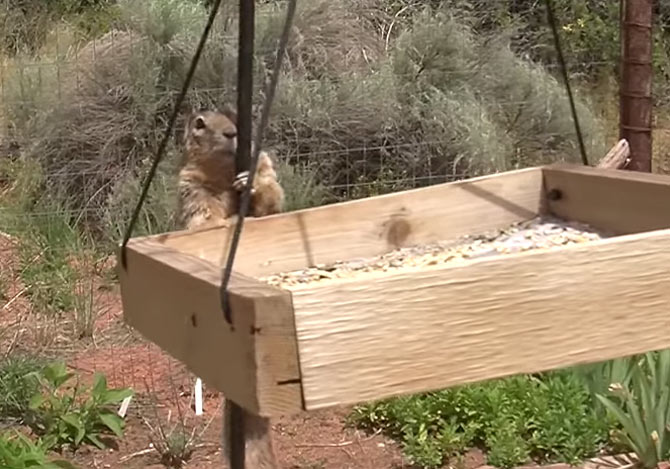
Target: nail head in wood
{"x": 554, "y": 194}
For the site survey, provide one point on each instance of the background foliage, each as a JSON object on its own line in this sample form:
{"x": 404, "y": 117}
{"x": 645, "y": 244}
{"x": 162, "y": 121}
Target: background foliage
{"x": 375, "y": 96}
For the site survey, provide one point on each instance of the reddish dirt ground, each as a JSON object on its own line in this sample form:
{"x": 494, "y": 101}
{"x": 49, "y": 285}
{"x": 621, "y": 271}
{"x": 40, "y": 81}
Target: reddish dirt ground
{"x": 312, "y": 441}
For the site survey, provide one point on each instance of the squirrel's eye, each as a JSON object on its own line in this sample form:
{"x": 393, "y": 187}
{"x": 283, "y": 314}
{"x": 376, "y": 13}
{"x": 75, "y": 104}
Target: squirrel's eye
{"x": 230, "y": 134}
{"x": 199, "y": 123}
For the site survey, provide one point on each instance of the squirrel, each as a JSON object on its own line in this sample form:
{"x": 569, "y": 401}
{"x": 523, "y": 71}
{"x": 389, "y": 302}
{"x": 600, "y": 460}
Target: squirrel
{"x": 209, "y": 190}
{"x": 208, "y": 186}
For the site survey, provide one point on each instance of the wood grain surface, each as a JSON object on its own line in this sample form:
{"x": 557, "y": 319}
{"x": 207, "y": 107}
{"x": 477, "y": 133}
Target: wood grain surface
{"x": 432, "y": 328}
{"x": 173, "y": 300}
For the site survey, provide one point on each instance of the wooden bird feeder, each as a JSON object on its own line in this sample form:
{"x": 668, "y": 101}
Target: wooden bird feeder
{"x": 411, "y": 330}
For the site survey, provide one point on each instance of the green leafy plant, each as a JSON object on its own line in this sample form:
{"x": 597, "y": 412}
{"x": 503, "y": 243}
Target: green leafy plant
{"x": 66, "y": 418}
{"x": 642, "y": 407}
{"x": 598, "y": 377}
{"x": 546, "y": 418}
{"x": 18, "y": 452}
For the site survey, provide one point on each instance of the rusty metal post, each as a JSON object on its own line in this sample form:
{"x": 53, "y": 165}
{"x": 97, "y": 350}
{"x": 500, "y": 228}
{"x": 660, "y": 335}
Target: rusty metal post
{"x": 636, "y": 81}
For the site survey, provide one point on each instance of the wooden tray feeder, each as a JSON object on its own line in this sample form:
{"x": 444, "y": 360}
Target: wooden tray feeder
{"x": 410, "y": 330}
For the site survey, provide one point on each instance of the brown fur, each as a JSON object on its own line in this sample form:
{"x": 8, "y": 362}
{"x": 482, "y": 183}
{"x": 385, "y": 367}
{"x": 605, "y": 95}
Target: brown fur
{"x": 208, "y": 186}
{"x": 208, "y": 196}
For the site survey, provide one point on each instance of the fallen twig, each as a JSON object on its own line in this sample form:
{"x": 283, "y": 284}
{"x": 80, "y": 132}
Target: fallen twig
{"x": 14, "y": 298}
{"x": 327, "y": 445}
{"x": 137, "y": 454}
{"x": 343, "y": 444}
{"x": 12, "y": 344}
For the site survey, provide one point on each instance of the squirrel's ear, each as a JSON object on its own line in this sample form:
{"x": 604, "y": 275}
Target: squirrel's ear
{"x": 194, "y": 118}
{"x": 230, "y": 113}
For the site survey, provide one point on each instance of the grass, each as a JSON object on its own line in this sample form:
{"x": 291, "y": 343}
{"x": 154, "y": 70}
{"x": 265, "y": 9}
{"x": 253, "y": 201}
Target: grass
{"x": 640, "y": 401}
{"x": 176, "y": 438}
{"x": 17, "y": 451}
{"x": 49, "y": 243}
{"x": 15, "y": 391}
{"x": 52, "y": 249}
{"x": 85, "y": 309}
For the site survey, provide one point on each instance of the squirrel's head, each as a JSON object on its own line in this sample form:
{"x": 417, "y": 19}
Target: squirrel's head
{"x": 212, "y": 131}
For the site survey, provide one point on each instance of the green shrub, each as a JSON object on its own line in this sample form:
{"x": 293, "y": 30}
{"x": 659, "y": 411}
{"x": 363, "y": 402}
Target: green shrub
{"x": 301, "y": 190}
{"x": 517, "y": 419}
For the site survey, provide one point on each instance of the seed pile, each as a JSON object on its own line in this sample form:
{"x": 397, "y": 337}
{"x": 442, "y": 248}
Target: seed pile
{"x": 538, "y": 233}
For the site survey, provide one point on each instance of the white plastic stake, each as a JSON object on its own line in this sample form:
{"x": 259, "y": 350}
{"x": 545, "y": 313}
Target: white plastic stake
{"x": 123, "y": 410}
{"x": 198, "y": 396}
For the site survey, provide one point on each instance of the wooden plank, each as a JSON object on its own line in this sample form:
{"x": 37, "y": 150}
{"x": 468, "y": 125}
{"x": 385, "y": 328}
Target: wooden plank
{"x": 622, "y": 202}
{"x": 431, "y": 328}
{"x": 173, "y": 300}
{"x": 617, "y": 157}
{"x": 371, "y": 226}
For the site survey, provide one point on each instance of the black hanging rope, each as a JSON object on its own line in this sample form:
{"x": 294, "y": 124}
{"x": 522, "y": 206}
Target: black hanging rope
{"x": 245, "y": 200}
{"x": 168, "y": 131}
{"x": 564, "y": 70}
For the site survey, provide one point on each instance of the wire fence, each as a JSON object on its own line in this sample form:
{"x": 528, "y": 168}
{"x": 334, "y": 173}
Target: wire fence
{"x": 78, "y": 128}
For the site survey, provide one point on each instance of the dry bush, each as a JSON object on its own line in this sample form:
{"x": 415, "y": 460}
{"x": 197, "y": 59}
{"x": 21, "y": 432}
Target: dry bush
{"x": 533, "y": 107}
{"x": 158, "y": 214}
{"x": 524, "y": 112}
{"x": 374, "y": 94}
{"x": 328, "y": 38}
{"x": 345, "y": 127}
{"x": 113, "y": 99}
{"x": 24, "y": 26}
{"x": 104, "y": 124}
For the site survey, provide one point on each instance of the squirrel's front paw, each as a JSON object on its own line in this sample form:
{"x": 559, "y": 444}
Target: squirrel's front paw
{"x": 241, "y": 181}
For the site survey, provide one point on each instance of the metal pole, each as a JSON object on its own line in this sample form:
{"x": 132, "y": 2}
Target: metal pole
{"x": 236, "y": 434}
{"x": 245, "y": 88}
{"x": 636, "y": 81}
{"x": 245, "y": 84}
